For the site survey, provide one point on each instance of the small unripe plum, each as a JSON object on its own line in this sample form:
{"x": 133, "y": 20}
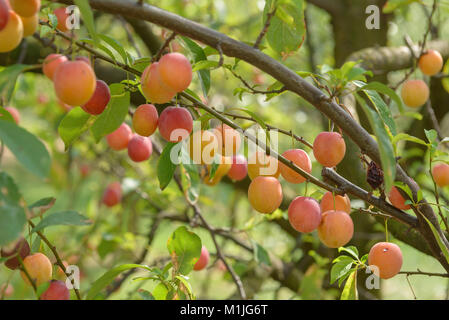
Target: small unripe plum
{"x": 387, "y": 257}
{"x": 397, "y": 199}
{"x": 265, "y": 194}
{"x": 18, "y": 248}
{"x": 239, "y": 168}
{"x": 50, "y": 64}
{"x": 260, "y": 164}
{"x": 62, "y": 17}
{"x": 440, "y": 174}
{"x": 203, "y": 260}
{"x": 113, "y": 194}
{"x": 74, "y": 82}
{"x": 99, "y": 100}
{"x": 12, "y": 34}
{"x": 139, "y": 148}
{"x": 145, "y": 120}
{"x": 301, "y": 159}
{"x": 4, "y": 14}
{"x": 30, "y": 25}
{"x": 220, "y": 172}
{"x": 175, "y": 124}
{"x": 39, "y": 269}
{"x": 337, "y": 202}
{"x": 14, "y": 113}
{"x": 336, "y": 228}
{"x": 202, "y": 146}
{"x": 415, "y": 93}
{"x": 228, "y": 140}
{"x": 175, "y": 71}
{"x": 56, "y": 291}
{"x": 329, "y": 148}
{"x": 119, "y": 139}
{"x": 431, "y": 62}
{"x": 25, "y": 8}
{"x": 304, "y": 214}
{"x": 6, "y": 290}
{"x": 152, "y": 86}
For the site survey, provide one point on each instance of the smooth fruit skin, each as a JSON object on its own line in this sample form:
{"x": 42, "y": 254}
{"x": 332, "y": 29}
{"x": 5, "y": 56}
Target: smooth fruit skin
{"x": 112, "y": 195}
{"x": 202, "y": 146}
{"x": 239, "y": 168}
{"x": 14, "y": 113}
{"x": 145, "y": 120}
{"x": 30, "y": 25}
{"x": 56, "y": 291}
{"x": 119, "y": 139}
{"x": 260, "y": 164}
{"x": 415, "y": 93}
{"x": 337, "y": 202}
{"x": 301, "y": 159}
{"x": 440, "y": 174}
{"x": 20, "y": 247}
{"x": 99, "y": 100}
{"x": 152, "y": 86}
{"x": 265, "y": 194}
{"x": 12, "y": 34}
{"x": 336, "y": 229}
{"x": 175, "y": 71}
{"x": 397, "y": 199}
{"x": 177, "y": 122}
{"x": 203, "y": 260}
{"x": 431, "y": 63}
{"x": 4, "y": 14}
{"x": 140, "y": 148}
{"x": 228, "y": 140}
{"x": 329, "y": 148}
{"x": 387, "y": 257}
{"x": 62, "y": 17}
{"x": 304, "y": 214}
{"x": 25, "y": 8}
{"x": 38, "y": 267}
{"x": 74, "y": 82}
{"x": 50, "y": 64}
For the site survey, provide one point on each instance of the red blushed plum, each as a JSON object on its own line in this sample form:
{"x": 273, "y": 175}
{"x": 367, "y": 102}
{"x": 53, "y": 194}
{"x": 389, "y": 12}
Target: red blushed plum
{"x": 203, "y": 260}
{"x": 145, "y": 120}
{"x": 175, "y": 124}
{"x": 175, "y": 71}
{"x": 50, "y": 64}
{"x": 152, "y": 86}
{"x": 139, "y": 148}
{"x": 56, "y": 291}
{"x": 25, "y": 8}
{"x": 239, "y": 168}
{"x": 74, "y": 82}
{"x": 260, "y": 164}
{"x": 265, "y": 194}
{"x": 119, "y": 139}
{"x": 228, "y": 140}
{"x": 337, "y": 202}
{"x": 304, "y": 214}
{"x": 4, "y": 14}
{"x": 14, "y": 113}
{"x": 301, "y": 159}
{"x": 113, "y": 194}
{"x": 329, "y": 148}
{"x": 336, "y": 229}
{"x": 99, "y": 100}
{"x": 38, "y": 267}
{"x": 397, "y": 199}
{"x": 440, "y": 174}
{"x": 62, "y": 17}
{"x": 387, "y": 258}
{"x": 18, "y": 248}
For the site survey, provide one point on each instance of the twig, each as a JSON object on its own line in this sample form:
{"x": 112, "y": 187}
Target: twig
{"x": 158, "y": 55}
{"x": 265, "y": 28}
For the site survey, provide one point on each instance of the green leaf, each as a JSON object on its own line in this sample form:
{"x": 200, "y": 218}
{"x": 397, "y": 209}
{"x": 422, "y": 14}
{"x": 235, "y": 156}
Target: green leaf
{"x": 145, "y": 295}
{"x": 392, "y": 5}
{"x": 74, "y": 123}
{"x": 341, "y": 267}
{"x": 165, "y": 167}
{"x": 381, "y": 88}
{"x": 28, "y": 149}
{"x": 184, "y": 247}
{"x": 114, "y": 114}
{"x": 204, "y": 64}
{"x": 407, "y": 137}
{"x": 5, "y": 115}
{"x": 350, "y": 290}
{"x": 43, "y": 205}
{"x": 437, "y": 236}
{"x": 12, "y": 222}
{"x": 382, "y": 109}
{"x": 8, "y": 79}
{"x": 101, "y": 47}
{"x": 160, "y": 291}
{"x": 88, "y": 17}
{"x": 261, "y": 255}
{"x": 187, "y": 285}
{"x": 351, "y": 250}
{"x": 116, "y": 46}
{"x": 108, "y": 277}
{"x": 199, "y": 55}
{"x": 66, "y": 218}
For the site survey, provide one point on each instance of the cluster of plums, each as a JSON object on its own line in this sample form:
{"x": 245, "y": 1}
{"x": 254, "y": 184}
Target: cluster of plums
{"x": 37, "y": 266}
{"x": 415, "y": 93}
